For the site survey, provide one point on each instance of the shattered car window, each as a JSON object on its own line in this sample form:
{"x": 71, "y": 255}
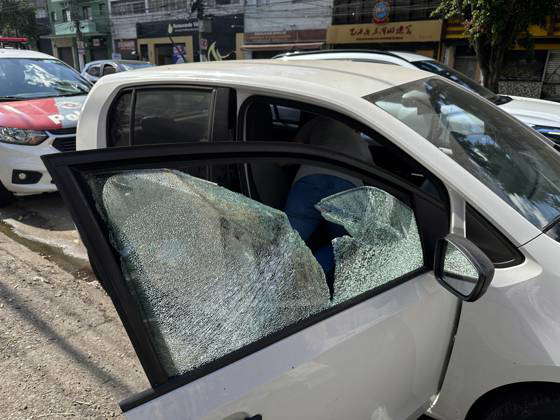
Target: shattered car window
{"x": 211, "y": 269}
{"x": 382, "y": 244}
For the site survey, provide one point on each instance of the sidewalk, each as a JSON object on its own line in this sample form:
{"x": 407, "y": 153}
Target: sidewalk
{"x": 63, "y": 351}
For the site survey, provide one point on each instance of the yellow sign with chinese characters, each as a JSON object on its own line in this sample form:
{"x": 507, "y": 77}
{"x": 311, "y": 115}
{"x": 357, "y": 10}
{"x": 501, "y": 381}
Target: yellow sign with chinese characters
{"x": 414, "y": 31}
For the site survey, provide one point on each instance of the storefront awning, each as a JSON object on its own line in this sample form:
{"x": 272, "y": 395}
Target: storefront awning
{"x": 290, "y": 46}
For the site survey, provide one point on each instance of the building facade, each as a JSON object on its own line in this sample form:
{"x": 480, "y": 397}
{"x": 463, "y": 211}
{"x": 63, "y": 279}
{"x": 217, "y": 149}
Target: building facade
{"x": 401, "y": 25}
{"x": 43, "y": 25}
{"x": 75, "y": 19}
{"x": 533, "y": 72}
{"x": 168, "y": 31}
{"x": 276, "y": 26}
{"x": 409, "y": 25}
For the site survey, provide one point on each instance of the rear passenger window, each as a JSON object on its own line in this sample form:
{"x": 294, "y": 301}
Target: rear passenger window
{"x": 162, "y": 115}
{"x": 171, "y": 116}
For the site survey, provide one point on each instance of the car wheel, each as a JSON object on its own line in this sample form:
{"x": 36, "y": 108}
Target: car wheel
{"x": 524, "y": 406}
{"x": 6, "y": 197}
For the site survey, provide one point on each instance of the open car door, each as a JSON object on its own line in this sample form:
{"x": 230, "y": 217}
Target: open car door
{"x": 230, "y": 311}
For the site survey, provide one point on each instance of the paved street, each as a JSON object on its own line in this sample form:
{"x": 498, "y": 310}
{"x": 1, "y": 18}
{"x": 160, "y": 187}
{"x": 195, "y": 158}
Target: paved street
{"x": 63, "y": 351}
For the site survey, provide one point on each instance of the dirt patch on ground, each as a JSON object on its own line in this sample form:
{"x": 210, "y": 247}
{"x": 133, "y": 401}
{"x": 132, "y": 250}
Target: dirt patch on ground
{"x": 63, "y": 351}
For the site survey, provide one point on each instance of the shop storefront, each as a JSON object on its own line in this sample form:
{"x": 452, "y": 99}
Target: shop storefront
{"x": 157, "y": 46}
{"x": 94, "y": 47}
{"x": 269, "y": 44}
{"x": 126, "y": 49}
{"x": 422, "y": 37}
{"x": 224, "y": 38}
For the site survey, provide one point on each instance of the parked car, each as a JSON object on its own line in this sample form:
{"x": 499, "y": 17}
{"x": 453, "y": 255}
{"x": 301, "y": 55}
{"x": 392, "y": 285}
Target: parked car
{"x": 543, "y": 116}
{"x": 274, "y": 246}
{"x": 40, "y": 102}
{"x": 96, "y": 69}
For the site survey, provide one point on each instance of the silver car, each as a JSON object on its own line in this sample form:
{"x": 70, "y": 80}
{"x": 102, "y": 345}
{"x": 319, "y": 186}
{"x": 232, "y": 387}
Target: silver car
{"x": 96, "y": 69}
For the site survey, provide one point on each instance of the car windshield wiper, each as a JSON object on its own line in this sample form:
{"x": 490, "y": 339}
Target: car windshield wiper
{"x": 72, "y": 94}
{"x": 12, "y": 98}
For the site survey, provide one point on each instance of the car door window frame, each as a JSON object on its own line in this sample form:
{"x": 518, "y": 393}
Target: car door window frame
{"x": 65, "y": 169}
{"x": 222, "y": 107}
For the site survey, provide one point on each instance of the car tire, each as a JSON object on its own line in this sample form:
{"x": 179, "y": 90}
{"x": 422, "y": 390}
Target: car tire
{"x": 6, "y": 197}
{"x": 524, "y": 405}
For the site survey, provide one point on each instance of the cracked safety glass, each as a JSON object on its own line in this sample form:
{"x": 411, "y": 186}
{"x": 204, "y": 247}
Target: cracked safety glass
{"x": 212, "y": 270}
{"x": 382, "y": 243}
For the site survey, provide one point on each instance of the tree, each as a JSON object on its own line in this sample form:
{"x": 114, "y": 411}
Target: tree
{"x": 493, "y": 27}
{"x": 17, "y": 18}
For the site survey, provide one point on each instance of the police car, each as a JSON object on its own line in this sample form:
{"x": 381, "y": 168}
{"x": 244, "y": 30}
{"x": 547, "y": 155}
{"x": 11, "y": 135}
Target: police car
{"x": 40, "y": 102}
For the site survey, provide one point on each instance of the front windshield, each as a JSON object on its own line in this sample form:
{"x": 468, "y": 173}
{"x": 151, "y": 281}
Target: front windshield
{"x": 500, "y": 152}
{"x": 451, "y": 74}
{"x": 30, "y": 78}
{"x": 133, "y": 66}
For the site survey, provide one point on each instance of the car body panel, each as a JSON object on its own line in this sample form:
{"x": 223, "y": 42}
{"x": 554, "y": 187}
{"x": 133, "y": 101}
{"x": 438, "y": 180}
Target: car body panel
{"x": 42, "y": 114}
{"x": 14, "y": 53}
{"x": 515, "y": 326}
{"x": 534, "y": 111}
{"x": 357, "y": 350}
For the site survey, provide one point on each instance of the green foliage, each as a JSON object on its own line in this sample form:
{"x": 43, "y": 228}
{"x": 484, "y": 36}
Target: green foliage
{"x": 494, "y": 26}
{"x": 17, "y": 18}
{"x": 497, "y": 20}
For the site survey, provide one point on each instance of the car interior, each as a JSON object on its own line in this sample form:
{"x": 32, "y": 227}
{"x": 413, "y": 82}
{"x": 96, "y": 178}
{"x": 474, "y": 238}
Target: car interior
{"x": 267, "y": 120}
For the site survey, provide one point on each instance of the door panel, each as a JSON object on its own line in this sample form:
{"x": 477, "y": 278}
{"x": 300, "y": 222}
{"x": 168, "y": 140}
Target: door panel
{"x": 380, "y": 359}
{"x": 228, "y": 308}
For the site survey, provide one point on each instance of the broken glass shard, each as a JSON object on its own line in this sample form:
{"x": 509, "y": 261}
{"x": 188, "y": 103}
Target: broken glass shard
{"x": 212, "y": 270}
{"x": 382, "y": 244}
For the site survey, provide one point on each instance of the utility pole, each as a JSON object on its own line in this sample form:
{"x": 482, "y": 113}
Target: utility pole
{"x": 75, "y": 15}
{"x": 203, "y": 27}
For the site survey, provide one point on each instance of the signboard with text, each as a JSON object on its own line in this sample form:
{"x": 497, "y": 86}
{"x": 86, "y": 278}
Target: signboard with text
{"x": 413, "y": 31}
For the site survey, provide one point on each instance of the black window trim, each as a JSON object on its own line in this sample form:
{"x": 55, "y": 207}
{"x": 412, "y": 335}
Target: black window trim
{"x": 517, "y": 256}
{"x": 65, "y": 169}
{"x": 215, "y": 91}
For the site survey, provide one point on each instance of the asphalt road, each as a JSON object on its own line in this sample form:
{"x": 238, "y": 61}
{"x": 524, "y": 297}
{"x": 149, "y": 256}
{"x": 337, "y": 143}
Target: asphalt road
{"x": 63, "y": 351}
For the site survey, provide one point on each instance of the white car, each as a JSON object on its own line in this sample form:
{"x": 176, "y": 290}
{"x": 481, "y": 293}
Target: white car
{"x": 543, "y": 116}
{"x": 40, "y": 102}
{"x": 303, "y": 240}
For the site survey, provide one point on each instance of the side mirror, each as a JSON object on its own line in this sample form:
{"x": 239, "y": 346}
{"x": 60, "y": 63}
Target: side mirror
{"x": 462, "y": 268}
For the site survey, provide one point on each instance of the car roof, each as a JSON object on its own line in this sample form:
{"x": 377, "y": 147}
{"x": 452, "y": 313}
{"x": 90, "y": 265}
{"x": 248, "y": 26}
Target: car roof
{"x": 357, "y": 53}
{"x": 312, "y": 77}
{"x": 15, "y": 53}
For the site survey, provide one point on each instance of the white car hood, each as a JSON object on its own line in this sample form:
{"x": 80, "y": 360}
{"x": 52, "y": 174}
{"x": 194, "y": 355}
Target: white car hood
{"x": 534, "y": 111}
